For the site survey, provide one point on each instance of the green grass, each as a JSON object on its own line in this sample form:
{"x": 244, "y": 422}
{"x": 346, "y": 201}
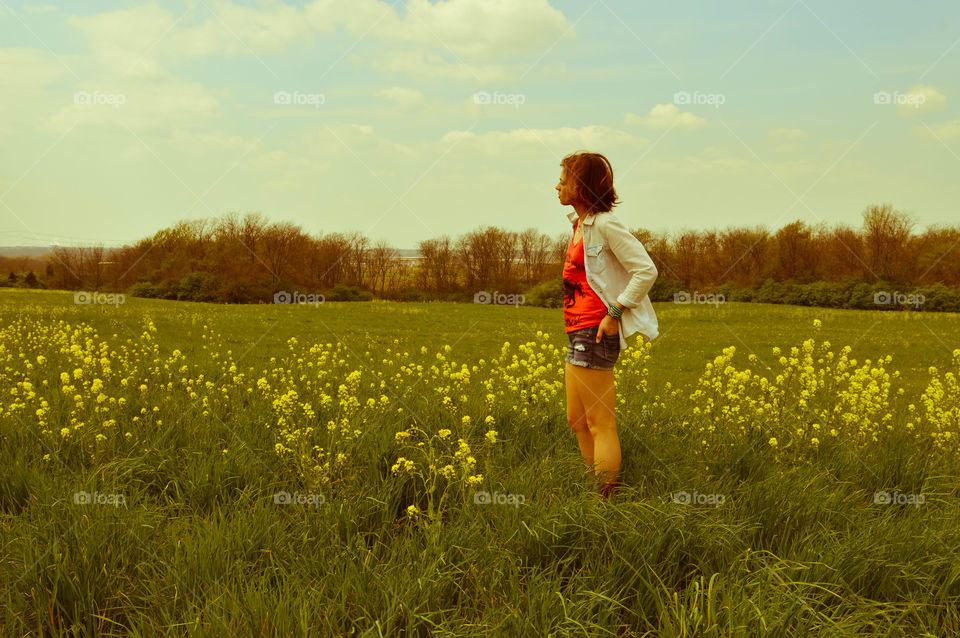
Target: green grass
{"x": 200, "y": 548}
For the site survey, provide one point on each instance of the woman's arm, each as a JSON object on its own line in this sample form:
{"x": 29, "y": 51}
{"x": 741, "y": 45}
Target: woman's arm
{"x": 630, "y": 252}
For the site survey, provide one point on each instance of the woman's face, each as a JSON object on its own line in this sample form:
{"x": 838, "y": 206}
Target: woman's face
{"x": 566, "y": 190}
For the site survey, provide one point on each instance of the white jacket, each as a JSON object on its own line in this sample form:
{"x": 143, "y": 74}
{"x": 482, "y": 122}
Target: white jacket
{"x": 619, "y": 269}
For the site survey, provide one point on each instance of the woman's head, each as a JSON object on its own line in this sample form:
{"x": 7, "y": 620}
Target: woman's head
{"x": 587, "y": 178}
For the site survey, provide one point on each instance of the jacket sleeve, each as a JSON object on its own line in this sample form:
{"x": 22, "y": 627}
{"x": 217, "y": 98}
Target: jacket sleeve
{"x": 630, "y": 252}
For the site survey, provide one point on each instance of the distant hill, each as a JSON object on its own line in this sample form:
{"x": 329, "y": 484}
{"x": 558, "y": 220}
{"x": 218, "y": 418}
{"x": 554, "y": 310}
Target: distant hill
{"x": 25, "y": 251}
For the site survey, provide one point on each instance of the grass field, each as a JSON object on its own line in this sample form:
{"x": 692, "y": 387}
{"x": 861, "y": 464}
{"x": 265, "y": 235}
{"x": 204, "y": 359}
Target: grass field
{"x": 186, "y": 469}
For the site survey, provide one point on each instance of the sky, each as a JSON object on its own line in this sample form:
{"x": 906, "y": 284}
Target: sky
{"x": 410, "y": 120}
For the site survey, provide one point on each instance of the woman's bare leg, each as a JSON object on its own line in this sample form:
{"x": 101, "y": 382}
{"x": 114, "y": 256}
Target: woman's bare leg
{"x": 596, "y": 392}
{"x": 577, "y": 414}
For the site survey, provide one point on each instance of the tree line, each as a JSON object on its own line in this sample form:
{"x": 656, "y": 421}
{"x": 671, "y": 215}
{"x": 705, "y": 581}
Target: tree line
{"x": 245, "y": 258}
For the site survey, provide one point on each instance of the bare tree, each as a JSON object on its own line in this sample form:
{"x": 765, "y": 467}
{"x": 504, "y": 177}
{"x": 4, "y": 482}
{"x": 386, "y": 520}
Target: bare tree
{"x": 886, "y": 236}
{"x": 437, "y": 267}
{"x": 279, "y": 244}
{"x": 379, "y": 260}
{"x": 357, "y": 257}
{"x": 535, "y": 251}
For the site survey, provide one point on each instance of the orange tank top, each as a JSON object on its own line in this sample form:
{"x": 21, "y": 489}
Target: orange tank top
{"x": 582, "y": 307}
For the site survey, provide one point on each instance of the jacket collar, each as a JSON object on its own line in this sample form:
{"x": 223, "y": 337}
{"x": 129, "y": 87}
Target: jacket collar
{"x": 572, "y": 216}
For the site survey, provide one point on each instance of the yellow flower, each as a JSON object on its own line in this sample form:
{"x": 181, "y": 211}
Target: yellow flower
{"x": 413, "y": 511}
{"x": 444, "y": 433}
{"x": 773, "y": 442}
{"x": 491, "y": 436}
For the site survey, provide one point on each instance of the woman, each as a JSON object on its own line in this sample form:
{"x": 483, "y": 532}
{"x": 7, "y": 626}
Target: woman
{"x": 606, "y": 277}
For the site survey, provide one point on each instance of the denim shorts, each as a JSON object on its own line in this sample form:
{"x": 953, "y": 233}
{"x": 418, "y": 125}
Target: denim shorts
{"x": 584, "y": 350}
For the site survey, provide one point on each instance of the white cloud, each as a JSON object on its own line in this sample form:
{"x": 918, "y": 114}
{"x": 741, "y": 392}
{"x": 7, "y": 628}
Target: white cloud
{"x": 470, "y": 29}
{"x": 784, "y": 140}
{"x": 921, "y": 99}
{"x": 467, "y": 40}
{"x": 712, "y": 162}
{"x": 556, "y": 142}
{"x": 138, "y": 106}
{"x": 38, "y": 8}
{"x": 665, "y": 116}
{"x": 476, "y": 33}
{"x": 238, "y": 30}
{"x": 25, "y": 69}
{"x": 779, "y": 135}
{"x": 25, "y": 84}
{"x": 402, "y": 96}
{"x": 424, "y": 66}
{"x": 944, "y": 131}
{"x": 123, "y": 37}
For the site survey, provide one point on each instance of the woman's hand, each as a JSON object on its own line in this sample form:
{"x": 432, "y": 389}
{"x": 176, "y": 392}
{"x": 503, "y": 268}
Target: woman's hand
{"x": 608, "y": 326}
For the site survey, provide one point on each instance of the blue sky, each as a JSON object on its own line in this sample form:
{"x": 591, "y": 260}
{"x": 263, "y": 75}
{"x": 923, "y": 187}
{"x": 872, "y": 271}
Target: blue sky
{"x": 120, "y": 118}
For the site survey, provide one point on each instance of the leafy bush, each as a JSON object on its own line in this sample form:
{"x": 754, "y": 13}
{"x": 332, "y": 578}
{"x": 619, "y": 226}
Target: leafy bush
{"x": 343, "y": 292}
{"x": 144, "y": 289}
{"x": 664, "y": 288}
{"x": 548, "y": 294}
{"x": 938, "y": 297}
{"x": 198, "y": 286}
{"x": 771, "y": 292}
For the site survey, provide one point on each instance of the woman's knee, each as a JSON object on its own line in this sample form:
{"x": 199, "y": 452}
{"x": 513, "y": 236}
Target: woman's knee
{"x": 577, "y": 422}
{"x": 601, "y": 423}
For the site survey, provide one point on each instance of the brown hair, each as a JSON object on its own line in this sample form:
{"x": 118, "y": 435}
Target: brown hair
{"x": 593, "y": 176}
